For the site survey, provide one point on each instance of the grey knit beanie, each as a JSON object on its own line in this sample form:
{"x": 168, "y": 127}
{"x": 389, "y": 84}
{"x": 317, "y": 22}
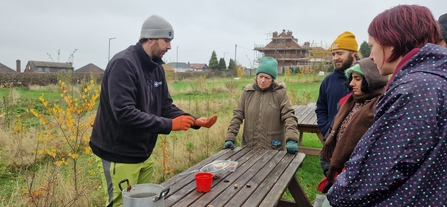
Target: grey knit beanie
{"x": 372, "y": 75}
{"x": 156, "y": 27}
{"x": 443, "y": 26}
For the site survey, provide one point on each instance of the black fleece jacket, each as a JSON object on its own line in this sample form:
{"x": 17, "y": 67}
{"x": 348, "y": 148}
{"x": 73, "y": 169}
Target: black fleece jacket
{"x": 134, "y": 107}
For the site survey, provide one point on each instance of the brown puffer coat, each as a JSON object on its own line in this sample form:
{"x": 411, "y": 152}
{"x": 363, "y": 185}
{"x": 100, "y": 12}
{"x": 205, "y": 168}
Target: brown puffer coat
{"x": 268, "y": 116}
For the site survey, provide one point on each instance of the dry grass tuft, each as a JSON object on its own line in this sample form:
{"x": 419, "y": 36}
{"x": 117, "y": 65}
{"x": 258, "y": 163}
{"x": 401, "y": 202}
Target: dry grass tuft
{"x": 52, "y": 87}
{"x": 20, "y": 150}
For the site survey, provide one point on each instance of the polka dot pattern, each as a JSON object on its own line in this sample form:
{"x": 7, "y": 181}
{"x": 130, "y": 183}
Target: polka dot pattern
{"x": 402, "y": 159}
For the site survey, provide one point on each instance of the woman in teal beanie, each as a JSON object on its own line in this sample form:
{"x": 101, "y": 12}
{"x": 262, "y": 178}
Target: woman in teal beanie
{"x": 264, "y": 106}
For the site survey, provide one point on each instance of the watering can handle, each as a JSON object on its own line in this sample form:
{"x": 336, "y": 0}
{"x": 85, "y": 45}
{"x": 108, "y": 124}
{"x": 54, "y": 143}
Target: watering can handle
{"x": 163, "y": 194}
{"x": 125, "y": 180}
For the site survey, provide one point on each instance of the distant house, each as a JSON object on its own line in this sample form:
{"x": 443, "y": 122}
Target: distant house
{"x": 285, "y": 49}
{"x": 167, "y": 68}
{"x": 6, "y": 69}
{"x": 48, "y": 67}
{"x": 180, "y": 67}
{"x": 89, "y": 68}
{"x": 199, "y": 66}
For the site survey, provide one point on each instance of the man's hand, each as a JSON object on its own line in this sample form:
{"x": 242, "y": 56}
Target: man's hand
{"x": 182, "y": 123}
{"x": 205, "y": 122}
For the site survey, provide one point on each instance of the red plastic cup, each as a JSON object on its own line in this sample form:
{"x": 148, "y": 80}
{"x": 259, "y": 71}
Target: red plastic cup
{"x": 204, "y": 180}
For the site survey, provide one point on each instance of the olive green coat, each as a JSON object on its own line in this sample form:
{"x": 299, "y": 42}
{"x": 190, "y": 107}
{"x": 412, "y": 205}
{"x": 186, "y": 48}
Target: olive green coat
{"x": 267, "y": 116}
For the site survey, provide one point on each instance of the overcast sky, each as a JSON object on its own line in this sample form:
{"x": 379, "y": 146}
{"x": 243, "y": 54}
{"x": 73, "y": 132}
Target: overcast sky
{"x": 38, "y": 29}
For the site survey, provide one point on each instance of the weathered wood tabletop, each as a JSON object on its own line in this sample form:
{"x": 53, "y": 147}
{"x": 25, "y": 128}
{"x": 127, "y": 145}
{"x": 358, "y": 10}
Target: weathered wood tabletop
{"x": 262, "y": 176}
{"x": 307, "y": 123}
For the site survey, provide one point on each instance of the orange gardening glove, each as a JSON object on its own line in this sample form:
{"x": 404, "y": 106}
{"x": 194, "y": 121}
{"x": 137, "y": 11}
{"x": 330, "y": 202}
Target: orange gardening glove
{"x": 182, "y": 123}
{"x": 205, "y": 122}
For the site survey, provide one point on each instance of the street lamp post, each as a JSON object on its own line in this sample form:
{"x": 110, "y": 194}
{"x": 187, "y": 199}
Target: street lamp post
{"x": 108, "y": 57}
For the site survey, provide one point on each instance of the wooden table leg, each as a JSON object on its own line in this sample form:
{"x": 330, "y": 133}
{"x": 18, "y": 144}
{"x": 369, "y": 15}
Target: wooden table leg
{"x": 300, "y": 140}
{"x": 308, "y": 150}
{"x": 298, "y": 194}
{"x": 321, "y": 137}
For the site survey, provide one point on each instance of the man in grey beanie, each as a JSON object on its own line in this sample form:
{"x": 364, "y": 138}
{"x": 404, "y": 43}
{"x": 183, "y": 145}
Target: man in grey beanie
{"x": 134, "y": 107}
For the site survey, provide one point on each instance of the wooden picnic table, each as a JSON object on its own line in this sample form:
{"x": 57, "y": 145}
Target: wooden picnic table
{"x": 307, "y": 123}
{"x": 262, "y": 177}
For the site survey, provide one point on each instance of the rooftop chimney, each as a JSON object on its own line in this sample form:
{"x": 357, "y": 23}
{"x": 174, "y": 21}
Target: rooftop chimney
{"x": 18, "y": 66}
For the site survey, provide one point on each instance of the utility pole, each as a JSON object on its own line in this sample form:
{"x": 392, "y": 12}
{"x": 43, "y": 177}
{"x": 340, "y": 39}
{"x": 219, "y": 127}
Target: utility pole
{"x": 235, "y": 51}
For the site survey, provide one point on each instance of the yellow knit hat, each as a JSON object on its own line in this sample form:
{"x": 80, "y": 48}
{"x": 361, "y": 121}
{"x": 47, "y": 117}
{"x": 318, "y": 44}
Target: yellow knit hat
{"x": 345, "y": 41}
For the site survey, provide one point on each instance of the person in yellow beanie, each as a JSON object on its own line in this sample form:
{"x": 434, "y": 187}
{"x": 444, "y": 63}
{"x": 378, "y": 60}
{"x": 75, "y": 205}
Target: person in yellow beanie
{"x": 344, "y": 54}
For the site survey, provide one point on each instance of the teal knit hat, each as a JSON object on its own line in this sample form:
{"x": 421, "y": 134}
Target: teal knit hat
{"x": 354, "y": 69}
{"x": 370, "y": 73}
{"x": 269, "y": 66}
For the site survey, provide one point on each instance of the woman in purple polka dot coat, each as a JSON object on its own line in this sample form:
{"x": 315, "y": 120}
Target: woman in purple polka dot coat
{"x": 402, "y": 158}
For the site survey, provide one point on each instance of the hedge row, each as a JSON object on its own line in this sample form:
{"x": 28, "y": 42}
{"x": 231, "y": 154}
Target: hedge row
{"x": 42, "y": 79}
{"x": 171, "y": 75}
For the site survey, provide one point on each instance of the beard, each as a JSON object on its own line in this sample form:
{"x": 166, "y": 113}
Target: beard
{"x": 157, "y": 52}
{"x": 346, "y": 64}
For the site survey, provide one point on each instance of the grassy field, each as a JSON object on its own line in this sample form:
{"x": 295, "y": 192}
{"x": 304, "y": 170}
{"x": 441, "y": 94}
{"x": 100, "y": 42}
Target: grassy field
{"x": 173, "y": 154}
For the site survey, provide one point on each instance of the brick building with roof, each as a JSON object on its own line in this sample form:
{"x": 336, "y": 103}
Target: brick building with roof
{"x": 285, "y": 49}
